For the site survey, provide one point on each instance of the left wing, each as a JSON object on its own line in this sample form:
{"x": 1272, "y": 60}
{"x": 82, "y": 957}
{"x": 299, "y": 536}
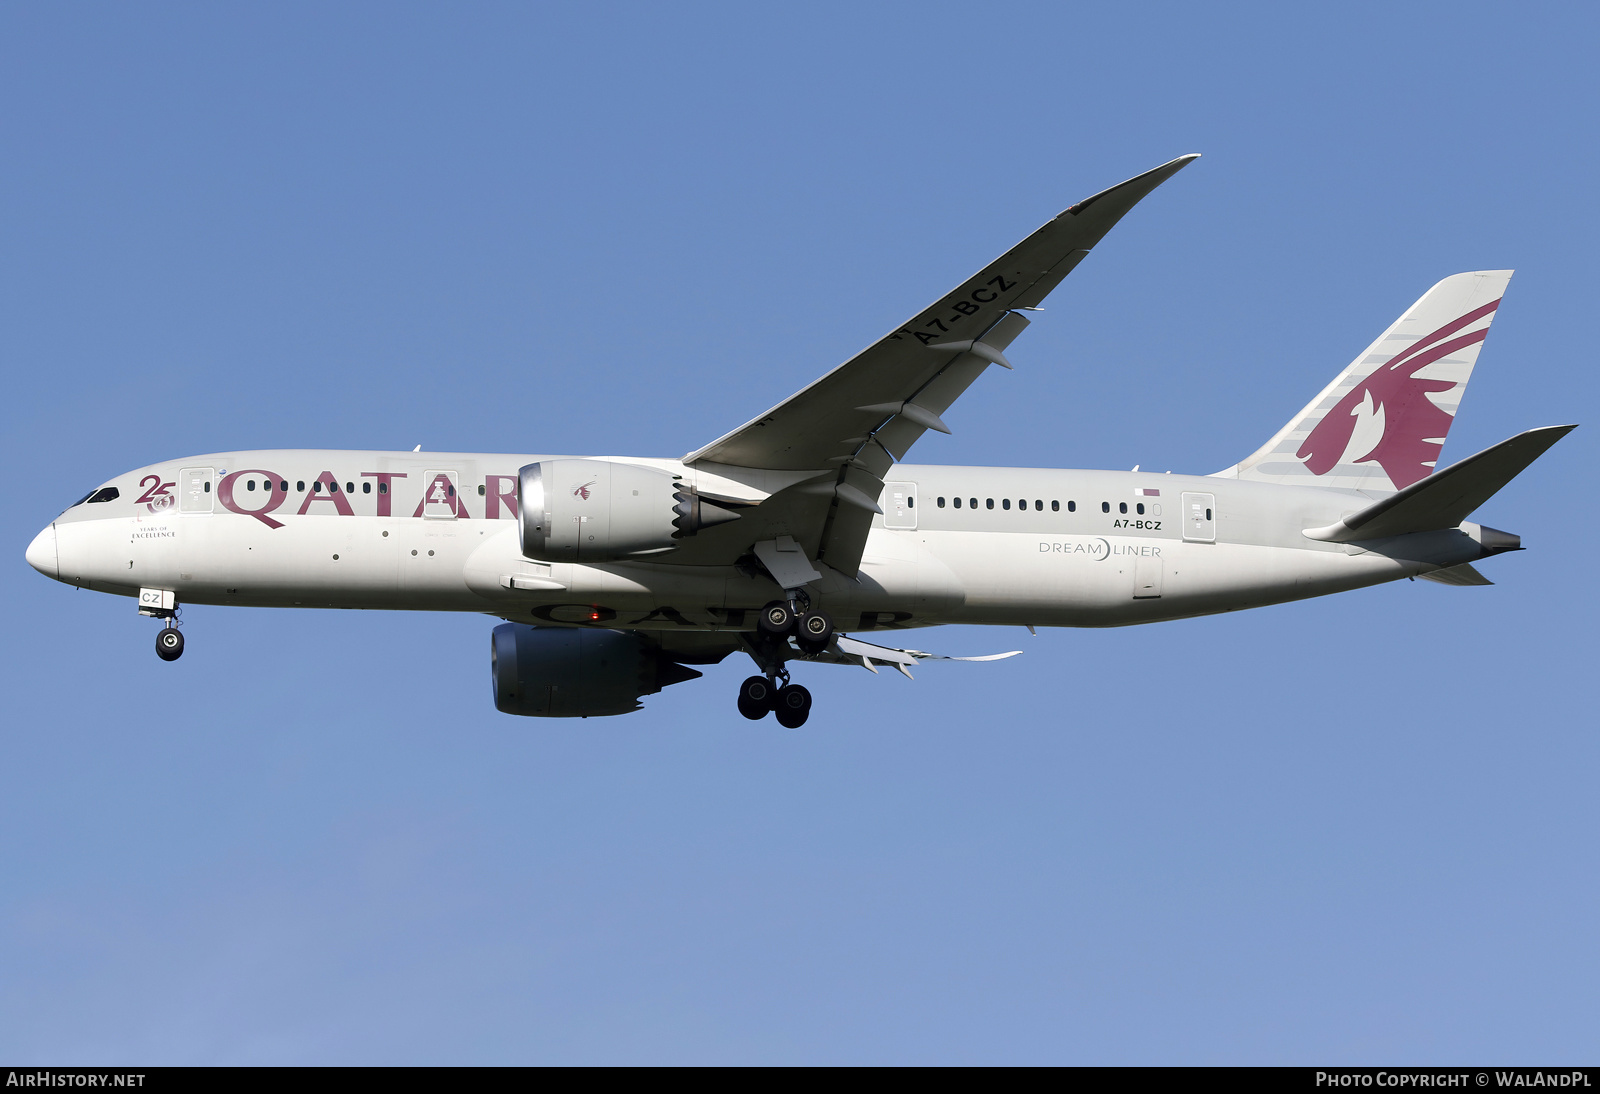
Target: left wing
{"x": 856, "y": 422}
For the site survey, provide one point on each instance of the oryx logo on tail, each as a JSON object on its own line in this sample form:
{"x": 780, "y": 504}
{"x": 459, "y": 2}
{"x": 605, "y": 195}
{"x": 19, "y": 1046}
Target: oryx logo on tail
{"x": 1411, "y": 429}
{"x": 1380, "y": 425}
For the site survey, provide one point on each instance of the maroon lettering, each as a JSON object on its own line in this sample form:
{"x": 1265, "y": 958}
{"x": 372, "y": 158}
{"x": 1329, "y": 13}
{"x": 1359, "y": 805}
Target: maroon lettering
{"x": 500, "y": 490}
{"x": 275, "y": 496}
{"x": 156, "y": 489}
{"x": 333, "y": 495}
{"x": 385, "y": 491}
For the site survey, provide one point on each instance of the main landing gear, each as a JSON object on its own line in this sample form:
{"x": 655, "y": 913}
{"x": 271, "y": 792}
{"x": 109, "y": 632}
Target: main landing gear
{"x": 812, "y": 630}
{"x": 790, "y": 703}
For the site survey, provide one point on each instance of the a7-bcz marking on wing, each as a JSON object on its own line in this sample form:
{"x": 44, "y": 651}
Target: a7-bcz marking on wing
{"x": 963, "y": 308}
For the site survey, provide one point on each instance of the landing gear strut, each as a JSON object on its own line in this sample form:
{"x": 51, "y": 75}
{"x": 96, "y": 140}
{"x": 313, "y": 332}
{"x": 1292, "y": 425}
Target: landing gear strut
{"x": 789, "y": 703}
{"x": 162, "y": 604}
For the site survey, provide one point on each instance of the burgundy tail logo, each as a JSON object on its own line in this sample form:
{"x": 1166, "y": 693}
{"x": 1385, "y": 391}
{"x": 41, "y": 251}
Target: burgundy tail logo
{"x": 1413, "y": 427}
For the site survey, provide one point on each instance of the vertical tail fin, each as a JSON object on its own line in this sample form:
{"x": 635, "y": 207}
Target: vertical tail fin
{"x": 1379, "y": 426}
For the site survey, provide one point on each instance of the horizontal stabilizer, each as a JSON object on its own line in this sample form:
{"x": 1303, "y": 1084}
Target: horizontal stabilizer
{"x": 1463, "y": 574}
{"x": 1445, "y": 498}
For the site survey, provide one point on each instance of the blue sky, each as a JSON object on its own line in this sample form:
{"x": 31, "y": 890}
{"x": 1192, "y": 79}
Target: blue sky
{"x": 1357, "y": 830}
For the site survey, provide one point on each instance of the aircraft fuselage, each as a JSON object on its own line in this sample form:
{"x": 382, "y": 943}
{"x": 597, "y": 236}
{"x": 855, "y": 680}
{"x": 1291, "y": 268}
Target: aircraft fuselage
{"x": 979, "y": 545}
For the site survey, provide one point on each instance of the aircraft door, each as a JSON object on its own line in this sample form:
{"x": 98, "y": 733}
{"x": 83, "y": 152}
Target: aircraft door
{"x": 195, "y": 486}
{"x": 1199, "y": 518}
{"x": 900, "y": 505}
{"x": 441, "y": 496}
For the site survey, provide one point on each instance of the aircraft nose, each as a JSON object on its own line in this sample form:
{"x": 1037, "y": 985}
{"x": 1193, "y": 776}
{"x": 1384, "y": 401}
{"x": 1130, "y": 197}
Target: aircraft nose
{"x": 42, "y": 552}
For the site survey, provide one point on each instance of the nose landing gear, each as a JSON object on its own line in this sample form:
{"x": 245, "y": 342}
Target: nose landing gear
{"x": 162, "y": 604}
{"x": 169, "y": 643}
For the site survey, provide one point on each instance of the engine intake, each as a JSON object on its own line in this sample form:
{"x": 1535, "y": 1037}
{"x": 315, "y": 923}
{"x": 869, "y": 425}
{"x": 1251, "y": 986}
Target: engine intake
{"x": 576, "y": 672}
{"x": 598, "y": 510}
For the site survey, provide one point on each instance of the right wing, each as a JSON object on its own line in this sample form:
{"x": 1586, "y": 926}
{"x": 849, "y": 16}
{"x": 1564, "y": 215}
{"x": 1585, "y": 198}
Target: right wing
{"x": 856, "y": 422}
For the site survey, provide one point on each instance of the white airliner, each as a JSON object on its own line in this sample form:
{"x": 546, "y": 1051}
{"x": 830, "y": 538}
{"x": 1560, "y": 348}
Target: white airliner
{"x": 615, "y": 573}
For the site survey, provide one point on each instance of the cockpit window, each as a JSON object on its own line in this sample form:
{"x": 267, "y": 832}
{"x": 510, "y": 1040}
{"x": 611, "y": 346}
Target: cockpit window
{"x": 108, "y": 493}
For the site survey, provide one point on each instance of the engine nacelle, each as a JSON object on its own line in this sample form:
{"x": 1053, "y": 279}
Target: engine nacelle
{"x": 597, "y": 510}
{"x": 576, "y": 672}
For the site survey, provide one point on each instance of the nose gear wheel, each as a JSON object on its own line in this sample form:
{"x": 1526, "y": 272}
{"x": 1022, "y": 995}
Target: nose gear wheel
{"x": 169, "y": 644}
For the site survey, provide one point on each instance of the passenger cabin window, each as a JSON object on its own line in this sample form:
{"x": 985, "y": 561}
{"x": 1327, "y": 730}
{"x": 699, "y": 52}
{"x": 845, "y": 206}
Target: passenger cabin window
{"x": 988, "y": 503}
{"x": 1122, "y": 507}
{"x": 366, "y": 488}
{"x": 1038, "y": 505}
{"x": 972, "y": 503}
{"x": 1005, "y": 503}
{"x": 481, "y": 491}
{"x": 1139, "y": 508}
{"x": 1072, "y": 506}
{"x": 249, "y": 484}
{"x": 383, "y": 488}
{"x": 957, "y": 501}
{"x": 300, "y": 485}
{"x": 941, "y": 503}
{"x": 316, "y": 487}
{"x": 283, "y": 485}
{"x": 1105, "y": 507}
{"x": 1055, "y": 506}
{"x": 349, "y": 488}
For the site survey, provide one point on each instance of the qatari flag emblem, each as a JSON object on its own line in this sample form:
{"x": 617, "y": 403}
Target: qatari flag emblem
{"x": 1144, "y": 493}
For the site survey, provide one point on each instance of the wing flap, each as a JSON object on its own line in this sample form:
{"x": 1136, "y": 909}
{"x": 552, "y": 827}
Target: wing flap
{"x": 1464, "y": 574}
{"x": 852, "y": 651}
